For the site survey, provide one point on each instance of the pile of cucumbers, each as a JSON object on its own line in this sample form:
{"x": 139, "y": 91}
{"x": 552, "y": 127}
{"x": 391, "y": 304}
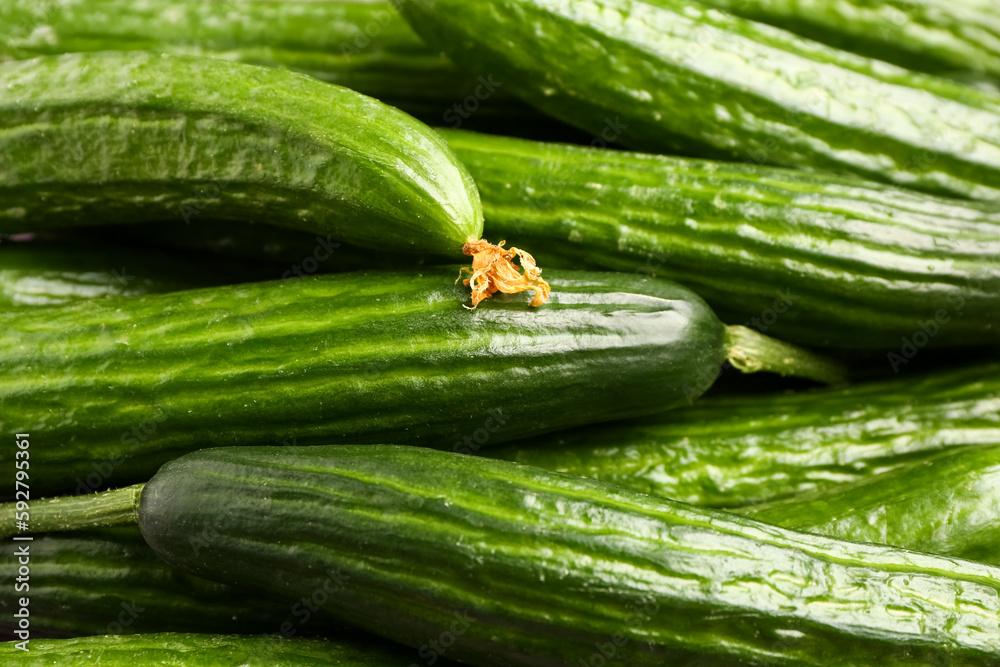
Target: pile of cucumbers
{"x": 250, "y": 417}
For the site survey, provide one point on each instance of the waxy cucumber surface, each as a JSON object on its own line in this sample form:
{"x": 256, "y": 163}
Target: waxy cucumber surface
{"x": 675, "y": 75}
{"x": 164, "y": 649}
{"x": 527, "y": 567}
{"x": 364, "y": 46}
{"x": 947, "y": 504}
{"x": 811, "y": 258}
{"x": 124, "y": 137}
{"x": 745, "y": 450}
{"x": 115, "y": 388}
{"x": 949, "y": 37}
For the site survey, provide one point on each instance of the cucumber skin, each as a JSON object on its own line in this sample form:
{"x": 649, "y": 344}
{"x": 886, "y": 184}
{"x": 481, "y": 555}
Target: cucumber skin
{"x": 85, "y": 581}
{"x": 364, "y": 46}
{"x": 178, "y": 650}
{"x": 46, "y": 273}
{"x": 947, "y": 504}
{"x": 258, "y": 144}
{"x": 865, "y": 265}
{"x": 548, "y": 565}
{"x": 938, "y": 36}
{"x": 746, "y": 450}
{"x": 674, "y": 75}
{"x": 125, "y": 385}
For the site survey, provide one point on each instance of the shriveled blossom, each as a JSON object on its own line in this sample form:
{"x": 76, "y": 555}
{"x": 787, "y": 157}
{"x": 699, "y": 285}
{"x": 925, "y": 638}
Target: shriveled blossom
{"x": 493, "y": 270}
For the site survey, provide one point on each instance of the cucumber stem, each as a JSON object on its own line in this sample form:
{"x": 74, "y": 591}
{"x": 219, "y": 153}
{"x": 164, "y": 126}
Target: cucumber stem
{"x": 110, "y": 508}
{"x": 751, "y": 351}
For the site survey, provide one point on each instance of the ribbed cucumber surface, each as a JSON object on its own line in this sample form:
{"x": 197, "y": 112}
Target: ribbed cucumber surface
{"x": 122, "y": 137}
{"x": 732, "y": 451}
{"x": 205, "y": 650}
{"x": 676, "y": 75}
{"x": 523, "y": 566}
{"x": 364, "y": 46}
{"x": 811, "y": 258}
{"x": 946, "y": 504}
{"x": 949, "y": 37}
{"x": 118, "y": 387}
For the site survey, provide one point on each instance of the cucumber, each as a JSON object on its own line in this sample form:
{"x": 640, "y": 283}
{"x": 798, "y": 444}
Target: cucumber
{"x": 814, "y": 259}
{"x": 946, "y": 504}
{"x": 940, "y": 36}
{"x": 45, "y": 273}
{"x": 525, "y": 566}
{"x": 88, "y": 138}
{"x": 110, "y": 582}
{"x": 365, "y": 46}
{"x": 744, "y": 450}
{"x": 124, "y": 385}
{"x": 205, "y": 650}
{"x": 675, "y": 75}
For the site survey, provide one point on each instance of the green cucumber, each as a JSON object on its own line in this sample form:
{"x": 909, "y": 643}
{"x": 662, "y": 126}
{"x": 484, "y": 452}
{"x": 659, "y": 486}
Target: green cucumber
{"x": 815, "y": 259}
{"x": 123, "y": 386}
{"x": 741, "y": 450}
{"x": 45, "y": 273}
{"x": 205, "y": 650}
{"x": 675, "y": 75}
{"x": 110, "y": 582}
{"x": 947, "y": 504}
{"x": 940, "y": 36}
{"x": 126, "y": 137}
{"x": 520, "y": 565}
{"x": 364, "y": 46}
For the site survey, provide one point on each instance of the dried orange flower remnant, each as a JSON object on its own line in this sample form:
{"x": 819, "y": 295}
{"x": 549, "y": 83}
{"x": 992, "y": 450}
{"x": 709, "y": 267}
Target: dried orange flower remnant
{"x": 493, "y": 270}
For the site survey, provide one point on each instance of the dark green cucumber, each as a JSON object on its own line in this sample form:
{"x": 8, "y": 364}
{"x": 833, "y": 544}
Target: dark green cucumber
{"x": 816, "y": 259}
{"x": 365, "y": 46}
{"x": 110, "y": 582}
{"x": 204, "y": 650}
{"x": 126, "y": 137}
{"x": 940, "y": 36}
{"x": 124, "y": 385}
{"x": 742, "y": 450}
{"x": 45, "y": 273}
{"x": 669, "y": 75}
{"x": 523, "y": 566}
{"x": 948, "y": 504}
